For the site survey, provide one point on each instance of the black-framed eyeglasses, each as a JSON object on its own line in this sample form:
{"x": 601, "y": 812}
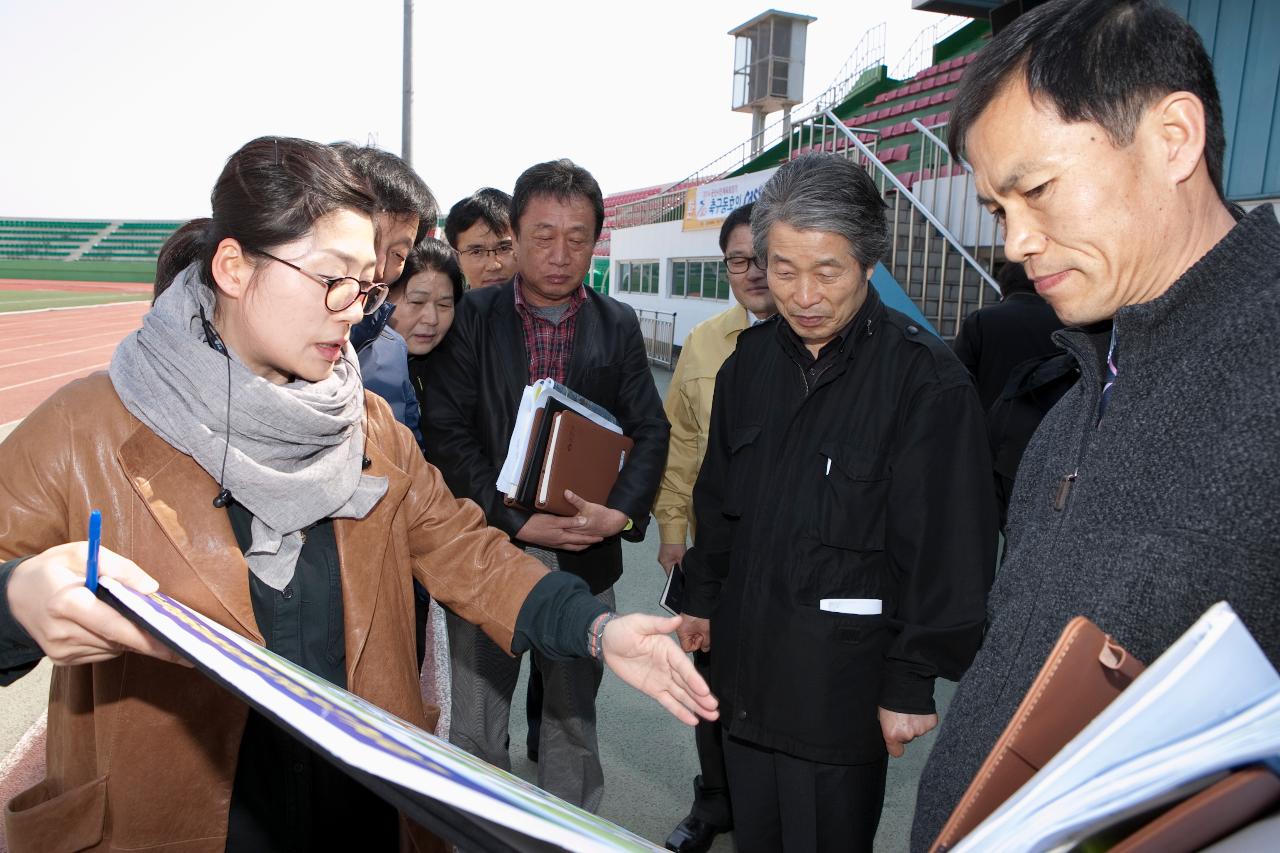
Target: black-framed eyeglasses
{"x": 477, "y": 253}
{"x": 341, "y": 291}
{"x": 739, "y": 265}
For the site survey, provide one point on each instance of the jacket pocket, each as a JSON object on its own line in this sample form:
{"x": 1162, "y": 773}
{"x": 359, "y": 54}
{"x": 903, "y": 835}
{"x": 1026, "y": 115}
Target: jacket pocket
{"x": 741, "y": 464}
{"x": 853, "y": 511}
{"x": 73, "y": 820}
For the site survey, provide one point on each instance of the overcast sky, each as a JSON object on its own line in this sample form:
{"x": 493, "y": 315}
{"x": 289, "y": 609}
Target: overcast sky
{"x": 129, "y": 108}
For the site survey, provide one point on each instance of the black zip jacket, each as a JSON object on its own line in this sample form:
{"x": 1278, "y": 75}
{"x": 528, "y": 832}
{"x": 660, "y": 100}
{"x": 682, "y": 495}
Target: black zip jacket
{"x": 862, "y": 475}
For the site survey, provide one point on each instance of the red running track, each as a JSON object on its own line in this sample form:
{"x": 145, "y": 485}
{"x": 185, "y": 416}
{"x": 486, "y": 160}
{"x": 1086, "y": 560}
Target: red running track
{"x": 42, "y": 351}
{"x": 77, "y": 286}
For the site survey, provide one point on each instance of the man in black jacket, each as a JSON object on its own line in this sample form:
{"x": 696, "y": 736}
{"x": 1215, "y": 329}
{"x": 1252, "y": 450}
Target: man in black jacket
{"x": 845, "y": 525}
{"x": 543, "y": 323}
{"x": 996, "y": 339}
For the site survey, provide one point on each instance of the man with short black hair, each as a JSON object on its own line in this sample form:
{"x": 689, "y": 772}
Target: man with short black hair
{"x": 688, "y": 407}
{"x": 406, "y": 208}
{"x": 543, "y": 323}
{"x": 479, "y": 230}
{"x": 1149, "y": 492}
{"x": 845, "y": 524}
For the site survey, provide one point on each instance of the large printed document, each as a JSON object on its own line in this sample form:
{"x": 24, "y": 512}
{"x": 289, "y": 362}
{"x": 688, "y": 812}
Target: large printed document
{"x": 1211, "y": 702}
{"x": 452, "y": 793}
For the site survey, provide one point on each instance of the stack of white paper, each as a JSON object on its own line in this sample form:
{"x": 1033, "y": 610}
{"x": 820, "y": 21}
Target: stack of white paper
{"x": 1209, "y": 703}
{"x": 536, "y": 397}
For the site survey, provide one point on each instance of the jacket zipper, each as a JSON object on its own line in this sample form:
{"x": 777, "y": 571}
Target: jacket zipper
{"x": 1064, "y": 490}
{"x": 1062, "y": 494}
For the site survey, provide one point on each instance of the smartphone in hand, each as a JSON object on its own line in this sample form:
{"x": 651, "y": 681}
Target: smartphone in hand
{"x": 672, "y": 597}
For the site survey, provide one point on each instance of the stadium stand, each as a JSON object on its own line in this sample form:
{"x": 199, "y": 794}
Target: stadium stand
{"x": 881, "y": 113}
{"x": 81, "y": 250}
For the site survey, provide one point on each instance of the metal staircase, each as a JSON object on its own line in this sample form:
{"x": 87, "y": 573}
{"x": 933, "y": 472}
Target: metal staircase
{"x": 944, "y": 247}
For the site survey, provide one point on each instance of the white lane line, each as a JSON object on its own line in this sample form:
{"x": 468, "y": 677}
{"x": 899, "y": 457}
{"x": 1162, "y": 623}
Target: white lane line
{"x": 4, "y": 388}
{"x": 115, "y": 333}
{"x": 73, "y": 307}
{"x": 53, "y": 355}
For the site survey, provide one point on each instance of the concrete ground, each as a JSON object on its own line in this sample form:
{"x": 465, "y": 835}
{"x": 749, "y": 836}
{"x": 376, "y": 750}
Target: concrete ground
{"x": 648, "y": 755}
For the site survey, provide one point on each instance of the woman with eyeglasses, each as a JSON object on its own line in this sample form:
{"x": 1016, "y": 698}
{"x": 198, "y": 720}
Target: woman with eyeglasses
{"x": 424, "y": 297}
{"x": 239, "y": 465}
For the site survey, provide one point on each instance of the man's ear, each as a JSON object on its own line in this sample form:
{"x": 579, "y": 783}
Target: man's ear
{"x": 1177, "y": 119}
{"x": 232, "y": 268}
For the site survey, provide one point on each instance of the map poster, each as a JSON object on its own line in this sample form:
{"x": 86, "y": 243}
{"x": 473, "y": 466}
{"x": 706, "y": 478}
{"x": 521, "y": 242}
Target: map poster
{"x": 450, "y": 792}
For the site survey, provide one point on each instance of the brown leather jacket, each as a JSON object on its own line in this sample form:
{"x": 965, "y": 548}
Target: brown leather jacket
{"x": 142, "y": 753}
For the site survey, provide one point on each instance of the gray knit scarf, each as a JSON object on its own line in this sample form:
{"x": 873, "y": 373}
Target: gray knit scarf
{"x": 295, "y": 450}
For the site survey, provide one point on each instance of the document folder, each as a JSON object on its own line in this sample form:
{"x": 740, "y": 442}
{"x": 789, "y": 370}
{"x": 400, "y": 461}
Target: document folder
{"x": 582, "y": 457}
{"x": 1083, "y": 674}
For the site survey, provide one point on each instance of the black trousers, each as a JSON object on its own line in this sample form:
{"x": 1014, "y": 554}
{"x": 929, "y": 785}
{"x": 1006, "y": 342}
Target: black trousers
{"x": 784, "y": 804}
{"x": 711, "y": 788}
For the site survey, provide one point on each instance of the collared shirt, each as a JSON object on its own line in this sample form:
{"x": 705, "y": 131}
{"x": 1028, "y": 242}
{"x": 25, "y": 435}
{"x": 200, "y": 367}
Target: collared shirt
{"x": 813, "y": 368}
{"x": 549, "y": 344}
{"x": 688, "y": 407}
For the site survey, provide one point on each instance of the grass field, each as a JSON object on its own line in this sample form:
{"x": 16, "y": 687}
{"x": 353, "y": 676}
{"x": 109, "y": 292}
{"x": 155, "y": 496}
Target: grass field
{"x": 28, "y": 300}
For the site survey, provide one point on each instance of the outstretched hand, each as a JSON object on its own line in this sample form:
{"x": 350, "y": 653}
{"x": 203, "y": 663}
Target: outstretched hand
{"x": 48, "y": 597}
{"x": 638, "y": 650}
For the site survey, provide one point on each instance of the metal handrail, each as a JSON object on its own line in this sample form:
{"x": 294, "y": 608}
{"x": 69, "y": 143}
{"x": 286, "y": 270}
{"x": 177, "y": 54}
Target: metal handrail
{"x": 937, "y": 140}
{"x": 870, "y": 47}
{"x": 866, "y": 54}
{"x": 911, "y": 198}
{"x": 924, "y": 42}
{"x": 658, "y": 328}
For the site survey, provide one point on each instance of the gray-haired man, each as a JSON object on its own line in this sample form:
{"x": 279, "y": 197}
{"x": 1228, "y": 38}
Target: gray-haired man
{"x": 845, "y": 524}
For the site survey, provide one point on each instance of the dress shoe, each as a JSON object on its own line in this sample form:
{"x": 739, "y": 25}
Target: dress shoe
{"x": 693, "y": 835}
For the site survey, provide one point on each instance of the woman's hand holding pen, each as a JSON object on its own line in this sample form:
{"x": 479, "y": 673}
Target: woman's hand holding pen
{"x": 48, "y": 597}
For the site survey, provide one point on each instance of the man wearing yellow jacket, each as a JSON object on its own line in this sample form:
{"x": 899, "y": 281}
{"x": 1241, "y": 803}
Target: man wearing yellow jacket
{"x": 688, "y": 407}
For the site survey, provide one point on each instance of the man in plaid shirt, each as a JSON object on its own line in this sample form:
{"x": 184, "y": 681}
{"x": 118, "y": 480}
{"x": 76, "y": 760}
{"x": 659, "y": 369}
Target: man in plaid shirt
{"x": 543, "y": 323}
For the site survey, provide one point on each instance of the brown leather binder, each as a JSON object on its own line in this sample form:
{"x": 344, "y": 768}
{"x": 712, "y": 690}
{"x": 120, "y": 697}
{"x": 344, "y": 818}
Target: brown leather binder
{"x": 1085, "y": 672}
{"x": 582, "y": 456}
{"x": 1220, "y": 809}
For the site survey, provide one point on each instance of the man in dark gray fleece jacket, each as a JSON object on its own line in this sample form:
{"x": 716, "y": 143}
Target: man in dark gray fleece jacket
{"x": 1152, "y": 490}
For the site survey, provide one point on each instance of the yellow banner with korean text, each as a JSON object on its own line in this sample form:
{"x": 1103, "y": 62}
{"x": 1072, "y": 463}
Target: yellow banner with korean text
{"x": 708, "y": 205}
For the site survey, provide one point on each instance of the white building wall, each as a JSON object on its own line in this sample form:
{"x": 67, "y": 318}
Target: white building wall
{"x": 662, "y": 242}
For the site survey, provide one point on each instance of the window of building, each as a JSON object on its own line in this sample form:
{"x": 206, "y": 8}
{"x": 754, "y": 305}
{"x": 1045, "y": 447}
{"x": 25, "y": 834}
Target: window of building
{"x": 637, "y": 277}
{"x": 700, "y": 278}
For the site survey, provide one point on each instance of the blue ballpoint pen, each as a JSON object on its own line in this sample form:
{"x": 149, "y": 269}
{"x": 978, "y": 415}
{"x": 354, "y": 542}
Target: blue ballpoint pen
{"x": 95, "y": 542}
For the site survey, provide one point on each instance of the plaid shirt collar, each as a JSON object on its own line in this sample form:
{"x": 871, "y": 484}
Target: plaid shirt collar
{"x": 575, "y": 301}
{"x": 549, "y": 345}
